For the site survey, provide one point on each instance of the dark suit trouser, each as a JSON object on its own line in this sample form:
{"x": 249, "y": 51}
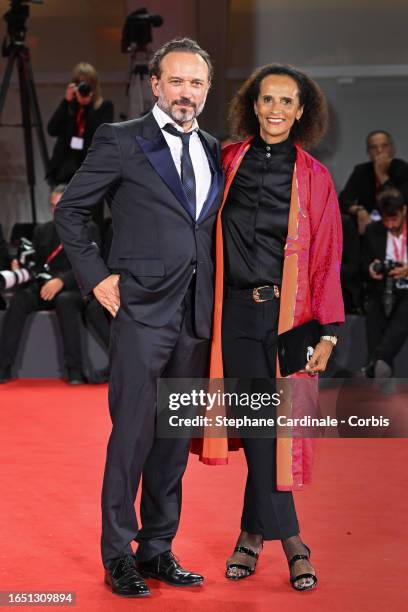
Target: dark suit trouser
{"x": 386, "y": 336}
{"x": 249, "y": 351}
{"x": 139, "y": 356}
{"x": 67, "y": 305}
{"x": 96, "y": 317}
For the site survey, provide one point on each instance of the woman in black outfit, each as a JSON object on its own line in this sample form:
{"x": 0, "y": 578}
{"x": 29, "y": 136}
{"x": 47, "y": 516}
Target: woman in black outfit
{"x": 74, "y": 123}
{"x": 269, "y": 109}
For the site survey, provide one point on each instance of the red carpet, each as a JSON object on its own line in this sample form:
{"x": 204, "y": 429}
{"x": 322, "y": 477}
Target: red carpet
{"x": 52, "y": 447}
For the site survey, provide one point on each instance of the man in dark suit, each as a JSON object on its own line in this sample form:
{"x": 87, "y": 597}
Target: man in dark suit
{"x": 387, "y": 308}
{"x": 59, "y": 292}
{"x": 161, "y": 176}
{"x": 368, "y": 180}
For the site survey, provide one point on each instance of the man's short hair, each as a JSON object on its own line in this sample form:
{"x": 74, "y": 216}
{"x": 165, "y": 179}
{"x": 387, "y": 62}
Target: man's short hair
{"x": 59, "y": 188}
{"x": 374, "y": 132}
{"x": 185, "y": 45}
{"x": 390, "y": 202}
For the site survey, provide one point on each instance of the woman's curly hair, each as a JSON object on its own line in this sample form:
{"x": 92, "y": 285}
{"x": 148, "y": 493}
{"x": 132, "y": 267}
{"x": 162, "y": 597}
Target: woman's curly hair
{"x": 312, "y": 125}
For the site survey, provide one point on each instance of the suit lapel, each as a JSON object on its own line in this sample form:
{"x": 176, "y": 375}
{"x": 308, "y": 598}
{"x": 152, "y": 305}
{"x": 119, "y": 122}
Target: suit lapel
{"x": 154, "y": 146}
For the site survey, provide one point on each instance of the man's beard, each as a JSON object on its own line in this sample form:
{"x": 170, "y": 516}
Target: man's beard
{"x": 396, "y": 231}
{"x": 180, "y": 115}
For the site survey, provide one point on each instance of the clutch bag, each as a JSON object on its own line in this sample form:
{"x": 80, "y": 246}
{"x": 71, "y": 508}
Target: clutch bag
{"x": 295, "y": 347}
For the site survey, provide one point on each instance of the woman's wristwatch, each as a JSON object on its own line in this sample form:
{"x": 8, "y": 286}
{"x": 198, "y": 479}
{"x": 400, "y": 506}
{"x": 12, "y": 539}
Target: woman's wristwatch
{"x": 332, "y": 339}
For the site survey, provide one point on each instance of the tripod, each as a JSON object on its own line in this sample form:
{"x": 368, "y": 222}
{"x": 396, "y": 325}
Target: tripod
{"x": 18, "y": 52}
{"x": 138, "y": 90}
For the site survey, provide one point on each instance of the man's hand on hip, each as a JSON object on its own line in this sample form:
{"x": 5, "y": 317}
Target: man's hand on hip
{"x": 107, "y": 293}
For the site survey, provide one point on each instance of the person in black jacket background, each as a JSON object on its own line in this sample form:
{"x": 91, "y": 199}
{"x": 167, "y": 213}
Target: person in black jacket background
{"x": 74, "y": 123}
{"x": 60, "y": 293}
{"x": 351, "y": 282}
{"x": 387, "y": 313}
{"x": 368, "y": 180}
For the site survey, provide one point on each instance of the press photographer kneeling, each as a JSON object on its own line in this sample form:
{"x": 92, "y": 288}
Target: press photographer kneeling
{"x": 385, "y": 266}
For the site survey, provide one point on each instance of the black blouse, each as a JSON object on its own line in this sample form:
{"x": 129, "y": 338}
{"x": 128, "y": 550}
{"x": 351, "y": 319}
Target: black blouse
{"x": 255, "y": 215}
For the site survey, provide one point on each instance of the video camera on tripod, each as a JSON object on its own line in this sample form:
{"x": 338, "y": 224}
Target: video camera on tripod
{"x": 16, "y": 19}
{"x": 136, "y": 38}
{"x": 16, "y": 51}
{"x": 26, "y": 257}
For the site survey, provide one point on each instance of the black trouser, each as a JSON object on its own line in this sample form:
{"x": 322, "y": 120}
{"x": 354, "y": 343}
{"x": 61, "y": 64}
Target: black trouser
{"x": 68, "y": 306}
{"x": 386, "y": 336}
{"x": 139, "y": 356}
{"x": 249, "y": 350}
{"x": 96, "y": 317}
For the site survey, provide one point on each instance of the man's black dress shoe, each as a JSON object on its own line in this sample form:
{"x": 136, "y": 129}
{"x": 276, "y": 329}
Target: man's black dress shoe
{"x": 125, "y": 580}
{"x": 5, "y": 375}
{"x": 166, "y": 568}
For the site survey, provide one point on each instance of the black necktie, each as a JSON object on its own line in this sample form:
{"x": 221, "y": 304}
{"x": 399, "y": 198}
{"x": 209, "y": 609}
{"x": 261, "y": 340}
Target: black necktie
{"x": 187, "y": 170}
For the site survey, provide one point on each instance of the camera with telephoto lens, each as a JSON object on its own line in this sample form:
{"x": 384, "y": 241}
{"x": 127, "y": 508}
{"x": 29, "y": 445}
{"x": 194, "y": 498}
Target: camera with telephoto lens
{"x": 389, "y": 296}
{"x": 26, "y": 258}
{"x": 385, "y": 267}
{"x": 84, "y": 89}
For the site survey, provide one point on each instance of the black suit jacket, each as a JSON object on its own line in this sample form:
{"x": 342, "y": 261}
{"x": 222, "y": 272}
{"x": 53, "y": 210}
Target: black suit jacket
{"x": 156, "y": 243}
{"x": 374, "y": 247}
{"x": 45, "y": 241}
{"x": 360, "y": 187}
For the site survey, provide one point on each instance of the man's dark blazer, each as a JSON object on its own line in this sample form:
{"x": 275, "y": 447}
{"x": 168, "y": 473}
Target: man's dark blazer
{"x": 45, "y": 241}
{"x": 374, "y": 247}
{"x": 156, "y": 243}
{"x": 361, "y": 187}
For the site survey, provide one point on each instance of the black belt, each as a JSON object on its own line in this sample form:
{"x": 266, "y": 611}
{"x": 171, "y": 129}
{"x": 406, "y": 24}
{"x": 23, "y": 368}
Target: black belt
{"x": 257, "y": 294}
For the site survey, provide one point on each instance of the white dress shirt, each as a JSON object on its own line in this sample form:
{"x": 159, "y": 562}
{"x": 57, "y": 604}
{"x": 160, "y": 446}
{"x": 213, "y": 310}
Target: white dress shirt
{"x": 197, "y": 153}
{"x": 398, "y": 241}
{"x": 391, "y": 254}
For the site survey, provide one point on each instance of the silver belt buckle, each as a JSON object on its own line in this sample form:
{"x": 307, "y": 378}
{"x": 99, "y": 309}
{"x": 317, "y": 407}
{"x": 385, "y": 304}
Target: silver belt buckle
{"x": 255, "y": 294}
{"x": 257, "y": 298}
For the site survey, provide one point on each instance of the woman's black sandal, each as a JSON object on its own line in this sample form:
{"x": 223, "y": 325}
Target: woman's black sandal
{"x": 249, "y": 570}
{"x": 294, "y": 579}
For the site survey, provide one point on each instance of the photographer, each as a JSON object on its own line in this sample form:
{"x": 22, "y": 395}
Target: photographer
{"x": 385, "y": 266}
{"x": 59, "y": 292}
{"x": 74, "y": 123}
